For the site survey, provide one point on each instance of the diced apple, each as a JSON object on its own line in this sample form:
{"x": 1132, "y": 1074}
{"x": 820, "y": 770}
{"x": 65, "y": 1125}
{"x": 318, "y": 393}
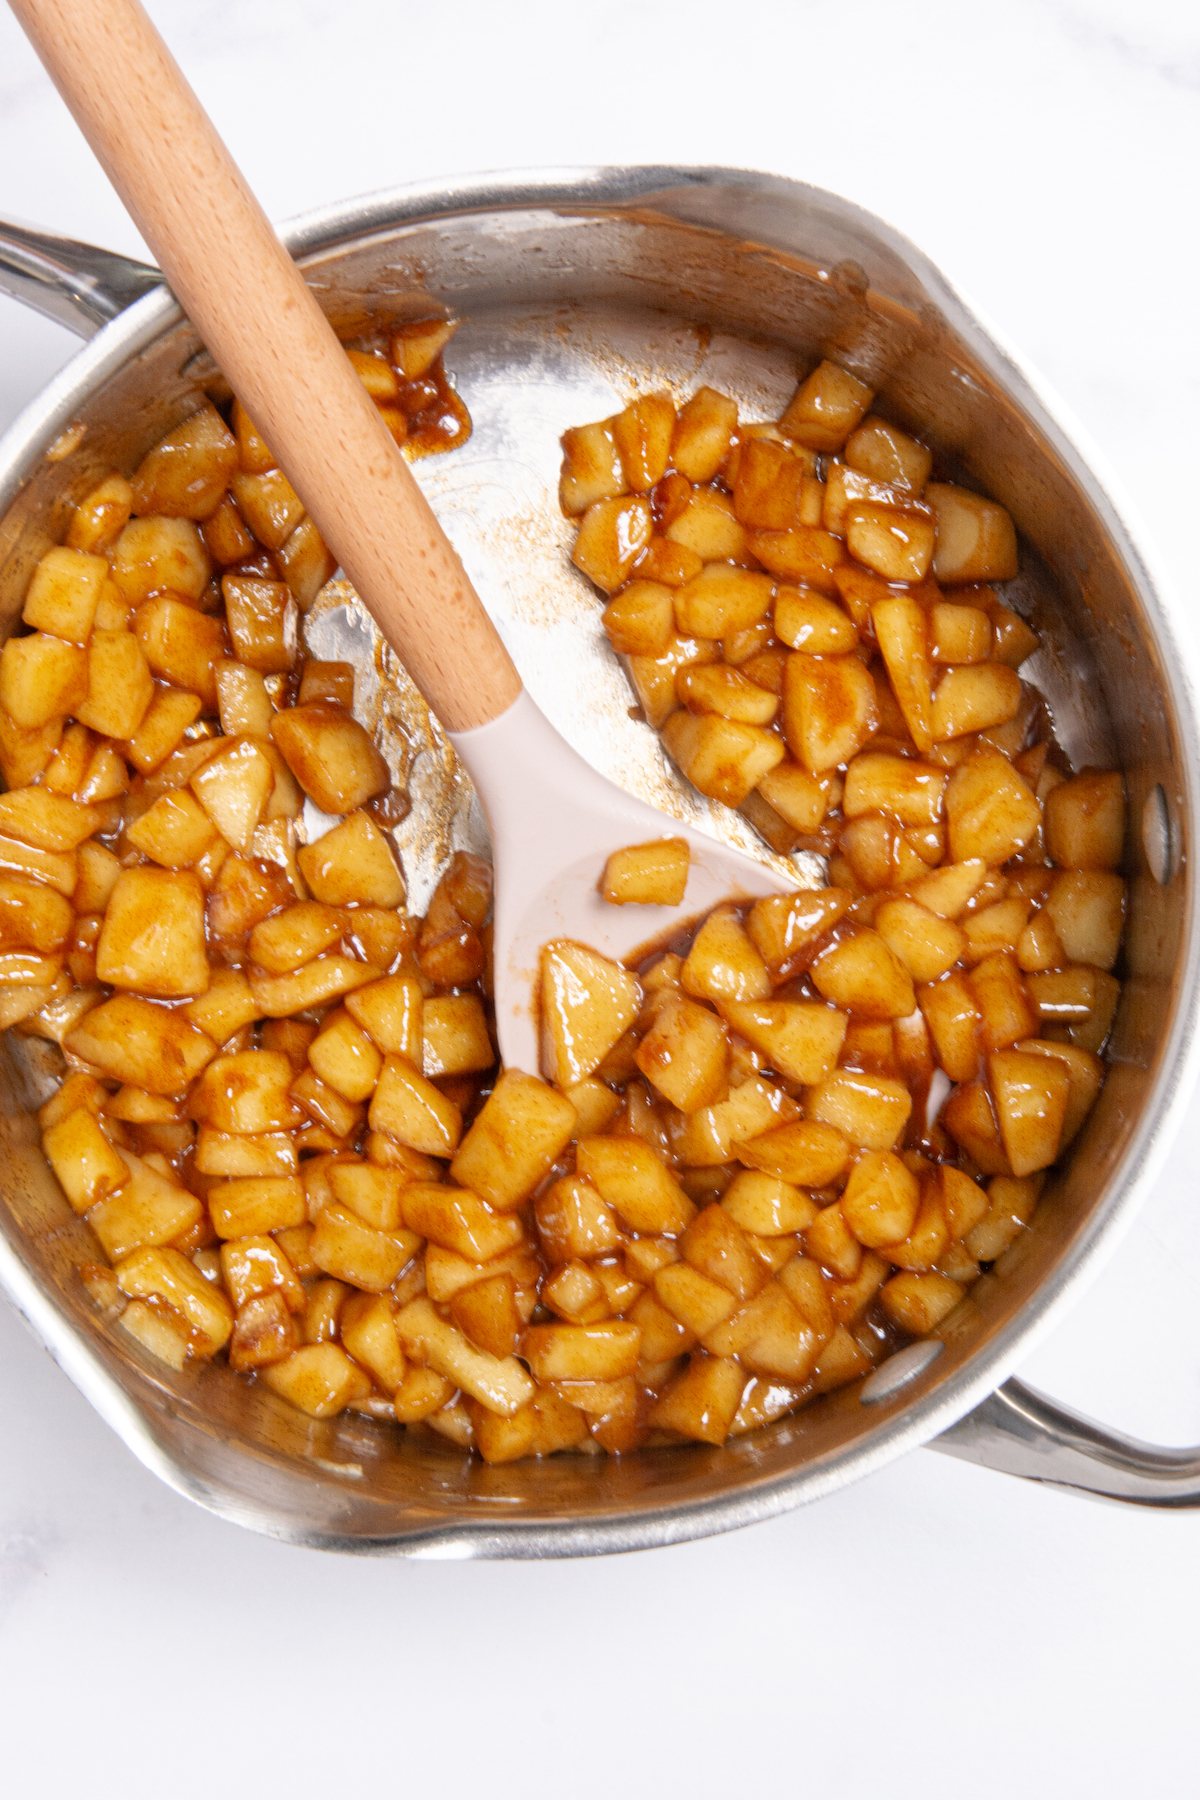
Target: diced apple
{"x": 269, "y": 504}
{"x": 232, "y": 1156}
{"x": 25, "y": 754}
{"x": 723, "y": 963}
{"x": 715, "y": 1244}
{"x": 991, "y": 810}
{"x": 1085, "y": 1075}
{"x": 155, "y": 555}
{"x": 187, "y": 471}
{"x": 353, "y": 864}
{"x": 910, "y": 790}
{"x": 233, "y": 787}
{"x": 636, "y": 1183}
{"x": 520, "y": 1133}
{"x": 412, "y": 1110}
{"x": 880, "y": 1200}
{"x": 722, "y": 599}
{"x": 685, "y": 1053}
{"x": 148, "y": 1209}
{"x": 1006, "y": 1012}
{"x": 702, "y": 435}
{"x": 870, "y": 1110}
{"x": 612, "y": 535}
{"x": 225, "y": 535}
{"x": 1011, "y": 1203}
{"x": 647, "y": 874}
{"x": 591, "y": 468}
{"x": 782, "y": 926}
{"x": 806, "y": 556}
{"x": 799, "y": 1038}
{"x": 902, "y": 632}
{"x": 971, "y": 1121}
{"x": 767, "y": 1206}
{"x": 896, "y": 542}
{"x": 975, "y": 698}
{"x": 306, "y": 562}
{"x": 181, "y": 645}
{"x": 330, "y": 755}
{"x": 711, "y": 1134}
{"x": 42, "y": 678}
{"x": 701, "y": 1402}
{"x": 498, "y": 1383}
{"x": 587, "y": 1002}
{"x": 318, "y": 1379}
{"x": 293, "y": 937}
{"x": 863, "y": 975}
{"x": 829, "y": 709}
{"x": 926, "y": 945}
{"x": 246, "y": 1092}
{"x": 264, "y": 1333}
{"x": 724, "y": 758}
{"x": 604, "y": 1351}
{"x": 640, "y": 620}
{"x": 101, "y": 516}
{"x": 1087, "y": 910}
{"x": 826, "y": 407}
{"x": 1085, "y": 821}
{"x": 959, "y": 633}
{"x": 642, "y": 434}
{"x": 263, "y": 622}
{"x": 132, "y": 1040}
{"x": 162, "y": 725}
{"x": 575, "y": 1221}
{"x": 153, "y": 938}
{"x": 63, "y": 593}
{"x": 706, "y": 524}
{"x": 919, "y": 1303}
{"x": 976, "y": 540}
{"x": 241, "y": 892}
{"x": 1031, "y": 1096}
{"x": 769, "y": 1335}
{"x": 349, "y": 1249}
{"x": 886, "y": 453}
{"x": 455, "y": 1035}
{"x": 344, "y": 1056}
{"x": 804, "y": 1152}
{"x": 87, "y": 1166}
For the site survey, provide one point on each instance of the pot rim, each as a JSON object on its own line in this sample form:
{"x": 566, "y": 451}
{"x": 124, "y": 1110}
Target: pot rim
{"x": 925, "y": 1414}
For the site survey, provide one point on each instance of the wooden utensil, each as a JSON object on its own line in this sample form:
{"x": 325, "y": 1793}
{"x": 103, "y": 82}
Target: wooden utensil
{"x": 553, "y": 820}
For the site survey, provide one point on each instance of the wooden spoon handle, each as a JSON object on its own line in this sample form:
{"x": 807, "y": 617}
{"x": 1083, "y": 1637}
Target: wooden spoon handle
{"x": 250, "y": 305}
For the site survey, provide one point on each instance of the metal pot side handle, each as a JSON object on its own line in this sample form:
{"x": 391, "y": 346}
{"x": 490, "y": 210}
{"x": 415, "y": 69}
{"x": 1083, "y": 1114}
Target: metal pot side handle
{"x": 74, "y": 284}
{"x": 1021, "y": 1432}
{"x": 1015, "y": 1430}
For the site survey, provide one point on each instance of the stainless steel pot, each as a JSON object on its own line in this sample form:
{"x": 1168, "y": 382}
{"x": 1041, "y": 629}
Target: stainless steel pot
{"x": 575, "y": 286}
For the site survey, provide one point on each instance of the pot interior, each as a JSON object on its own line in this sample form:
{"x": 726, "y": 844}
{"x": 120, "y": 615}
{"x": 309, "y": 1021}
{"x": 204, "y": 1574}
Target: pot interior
{"x": 572, "y": 301}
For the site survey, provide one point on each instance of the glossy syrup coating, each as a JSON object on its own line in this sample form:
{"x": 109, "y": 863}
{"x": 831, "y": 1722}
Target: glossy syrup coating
{"x": 745, "y": 1184}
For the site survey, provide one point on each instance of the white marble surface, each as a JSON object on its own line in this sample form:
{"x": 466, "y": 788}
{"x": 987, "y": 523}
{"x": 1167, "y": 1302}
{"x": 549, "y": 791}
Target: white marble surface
{"x": 932, "y": 1628}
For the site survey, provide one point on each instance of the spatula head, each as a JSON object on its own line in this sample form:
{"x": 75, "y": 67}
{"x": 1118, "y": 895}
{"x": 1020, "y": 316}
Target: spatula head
{"x": 554, "y": 823}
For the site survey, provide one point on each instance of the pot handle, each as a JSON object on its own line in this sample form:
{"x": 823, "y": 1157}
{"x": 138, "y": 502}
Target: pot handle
{"x": 1021, "y": 1432}
{"x": 74, "y": 284}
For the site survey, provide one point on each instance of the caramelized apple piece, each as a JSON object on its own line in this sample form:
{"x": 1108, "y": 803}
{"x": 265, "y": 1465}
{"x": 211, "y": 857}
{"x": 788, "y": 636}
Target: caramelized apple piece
{"x": 826, "y": 407}
{"x": 587, "y": 1002}
{"x": 702, "y": 435}
{"x": 647, "y": 874}
{"x": 330, "y": 755}
{"x": 976, "y": 540}
{"x": 829, "y": 709}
